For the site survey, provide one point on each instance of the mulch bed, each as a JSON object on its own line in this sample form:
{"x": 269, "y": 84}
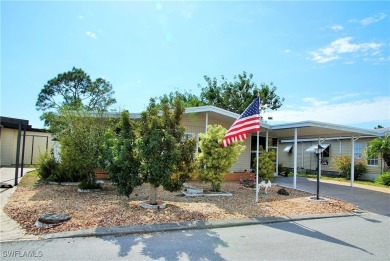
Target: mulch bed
{"x": 106, "y": 208}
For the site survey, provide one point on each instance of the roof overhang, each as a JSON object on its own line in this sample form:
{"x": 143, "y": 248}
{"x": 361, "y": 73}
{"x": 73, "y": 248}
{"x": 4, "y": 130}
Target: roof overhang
{"x": 219, "y": 113}
{"x": 314, "y": 129}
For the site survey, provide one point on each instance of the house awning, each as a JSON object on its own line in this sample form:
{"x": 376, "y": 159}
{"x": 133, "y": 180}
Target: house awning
{"x": 288, "y": 149}
{"x": 313, "y": 147}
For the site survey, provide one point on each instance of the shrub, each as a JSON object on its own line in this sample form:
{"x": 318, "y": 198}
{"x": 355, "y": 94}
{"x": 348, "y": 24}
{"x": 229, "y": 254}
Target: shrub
{"x": 47, "y": 167}
{"x": 383, "y": 179}
{"x": 81, "y": 144}
{"x": 266, "y": 164}
{"x": 214, "y": 160}
{"x": 343, "y": 165}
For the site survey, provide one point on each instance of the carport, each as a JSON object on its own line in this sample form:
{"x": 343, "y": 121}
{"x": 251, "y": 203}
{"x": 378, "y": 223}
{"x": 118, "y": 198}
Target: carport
{"x": 320, "y": 131}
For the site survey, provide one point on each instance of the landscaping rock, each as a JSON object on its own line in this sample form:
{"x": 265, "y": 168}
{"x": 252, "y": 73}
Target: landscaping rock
{"x": 5, "y": 185}
{"x": 54, "y": 218}
{"x": 282, "y": 191}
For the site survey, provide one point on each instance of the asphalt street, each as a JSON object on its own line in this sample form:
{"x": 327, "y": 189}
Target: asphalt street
{"x": 364, "y": 237}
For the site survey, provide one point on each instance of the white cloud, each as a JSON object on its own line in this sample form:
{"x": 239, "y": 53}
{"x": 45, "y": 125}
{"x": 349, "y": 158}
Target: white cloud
{"x": 345, "y": 96}
{"x": 343, "y": 46}
{"x": 91, "y": 34}
{"x": 81, "y": 17}
{"x": 337, "y": 28}
{"x": 287, "y": 51}
{"x": 314, "y": 101}
{"x": 372, "y": 19}
{"x": 356, "y": 112}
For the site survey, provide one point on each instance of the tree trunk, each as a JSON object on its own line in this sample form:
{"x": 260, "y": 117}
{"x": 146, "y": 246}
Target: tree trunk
{"x": 386, "y": 158}
{"x": 153, "y": 195}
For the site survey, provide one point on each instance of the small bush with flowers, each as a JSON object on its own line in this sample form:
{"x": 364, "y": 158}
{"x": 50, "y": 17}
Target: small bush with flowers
{"x": 248, "y": 182}
{"x": 343, "y": 165}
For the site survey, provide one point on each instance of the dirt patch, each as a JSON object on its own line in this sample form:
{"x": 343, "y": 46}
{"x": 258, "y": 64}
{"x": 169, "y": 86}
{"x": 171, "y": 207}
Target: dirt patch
{"x": 105, "y": 208}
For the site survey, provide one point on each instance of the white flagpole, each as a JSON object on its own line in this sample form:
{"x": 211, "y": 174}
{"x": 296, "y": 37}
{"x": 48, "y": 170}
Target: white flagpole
{"x": 257, "y": 157}
{"x": 257, "y": 169}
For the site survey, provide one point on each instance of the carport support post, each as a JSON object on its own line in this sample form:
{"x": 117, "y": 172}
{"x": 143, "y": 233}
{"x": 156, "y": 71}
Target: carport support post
{"x": 18, "y": 153}
{"x": 352, "y": 160}
{"x": 23, "y": 147}
{"x": 295, "y": 156}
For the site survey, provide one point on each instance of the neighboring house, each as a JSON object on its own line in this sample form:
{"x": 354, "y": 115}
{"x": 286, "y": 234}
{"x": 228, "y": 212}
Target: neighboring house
{"x": 37, "y": 141}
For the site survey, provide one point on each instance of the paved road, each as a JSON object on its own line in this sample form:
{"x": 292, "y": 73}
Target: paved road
{"x": 365, "y": 237}
{"x": 368, "y": 200}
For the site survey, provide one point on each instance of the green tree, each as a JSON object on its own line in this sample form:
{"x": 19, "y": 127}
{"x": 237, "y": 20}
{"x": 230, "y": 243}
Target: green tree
{"x": 119, "y": 156}
{"x": 266, "y": 164}
{"x": 214, "y": 160}
{"x": 379, "y": 147}
{"x": 81, "y": 144}
{"x": 167, "y": 158}
{"x": 187, "y": 99}
{"x": 76, "y": 90}
{"x": 237, "y": 95}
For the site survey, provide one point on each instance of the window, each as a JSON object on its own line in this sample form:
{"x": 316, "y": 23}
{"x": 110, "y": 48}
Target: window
{"x": 372, "y": 162}
{"x": 188, "y": 136}
{"x": 358, "y": 150}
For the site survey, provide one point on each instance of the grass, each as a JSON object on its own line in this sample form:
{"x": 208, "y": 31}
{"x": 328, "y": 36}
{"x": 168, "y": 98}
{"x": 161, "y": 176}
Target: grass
{"x": 29, "y": 179}
{"x": 341, "y": 179}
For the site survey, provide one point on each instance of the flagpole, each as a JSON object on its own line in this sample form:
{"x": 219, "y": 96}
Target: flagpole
{"x": 257, "y": 169}
{"x": 257, "y": 155}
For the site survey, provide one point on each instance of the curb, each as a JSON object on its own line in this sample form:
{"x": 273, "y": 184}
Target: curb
{"x": 166, "y": 227}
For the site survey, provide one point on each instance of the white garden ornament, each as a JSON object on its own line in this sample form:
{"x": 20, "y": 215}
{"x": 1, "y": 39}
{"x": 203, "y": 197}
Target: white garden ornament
{"x": 263, "y": 187}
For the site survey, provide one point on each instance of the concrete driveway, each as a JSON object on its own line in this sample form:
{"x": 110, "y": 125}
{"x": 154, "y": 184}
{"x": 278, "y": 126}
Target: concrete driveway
{"x": 367, "y": 198}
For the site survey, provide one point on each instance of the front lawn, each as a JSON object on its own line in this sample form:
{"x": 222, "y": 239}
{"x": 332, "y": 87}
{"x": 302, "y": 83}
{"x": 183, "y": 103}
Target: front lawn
{"x": 106, "y": 209}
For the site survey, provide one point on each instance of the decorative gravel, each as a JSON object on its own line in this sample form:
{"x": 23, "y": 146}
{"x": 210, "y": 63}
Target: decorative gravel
{"x": 105, "y": 208}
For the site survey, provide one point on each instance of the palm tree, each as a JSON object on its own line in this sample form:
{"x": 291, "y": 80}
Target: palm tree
{"x": 380, "y": 147}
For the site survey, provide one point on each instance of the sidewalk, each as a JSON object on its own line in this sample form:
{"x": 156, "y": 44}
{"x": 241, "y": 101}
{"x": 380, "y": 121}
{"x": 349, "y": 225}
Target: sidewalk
{"x": 9, "y": 228}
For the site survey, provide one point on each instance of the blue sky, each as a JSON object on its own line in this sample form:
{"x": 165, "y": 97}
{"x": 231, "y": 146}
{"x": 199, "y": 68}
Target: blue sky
{"x": 329, "y": 60}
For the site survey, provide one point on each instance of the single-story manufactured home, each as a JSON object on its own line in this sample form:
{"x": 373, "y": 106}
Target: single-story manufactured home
{"x": 293, "y": 142}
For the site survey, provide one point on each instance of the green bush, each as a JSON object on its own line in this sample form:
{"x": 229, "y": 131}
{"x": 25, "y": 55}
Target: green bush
{"x": 383, "y": 179}
{"x": 343, "y": 165}
{"x": 266, "y": 164}
{"x": 47, "y": 166}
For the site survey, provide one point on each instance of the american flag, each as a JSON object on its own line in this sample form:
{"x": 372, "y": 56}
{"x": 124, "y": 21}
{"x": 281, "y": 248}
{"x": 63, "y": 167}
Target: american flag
{"x": 248, "y": 122}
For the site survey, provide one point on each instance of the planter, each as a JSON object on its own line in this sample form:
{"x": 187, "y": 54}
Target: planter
{"x": 89, "y": 190}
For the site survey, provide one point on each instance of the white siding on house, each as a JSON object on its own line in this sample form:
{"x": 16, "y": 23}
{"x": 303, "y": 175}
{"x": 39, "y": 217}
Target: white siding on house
{"x": 36, "y": 143}
{"x": 308, "y": 160}
{"x": 196, "y": 123}
{"x": 7, "y": 148}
